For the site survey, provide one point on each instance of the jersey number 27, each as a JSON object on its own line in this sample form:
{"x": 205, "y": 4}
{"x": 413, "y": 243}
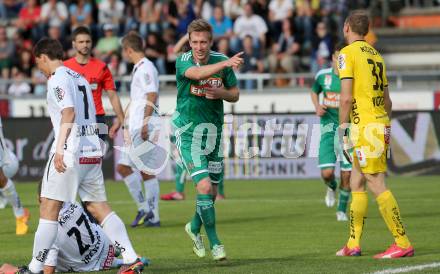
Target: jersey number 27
{"x": 75, "y": 231}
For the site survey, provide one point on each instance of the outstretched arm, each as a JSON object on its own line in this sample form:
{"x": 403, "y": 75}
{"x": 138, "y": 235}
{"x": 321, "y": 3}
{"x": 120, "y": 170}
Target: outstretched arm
{"x": 203, "y": 72}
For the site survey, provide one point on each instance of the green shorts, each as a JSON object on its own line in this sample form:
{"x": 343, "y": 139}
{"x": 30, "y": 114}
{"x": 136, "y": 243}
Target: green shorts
{"x": 202, "y": 155}
{"x": 330, "y": 150}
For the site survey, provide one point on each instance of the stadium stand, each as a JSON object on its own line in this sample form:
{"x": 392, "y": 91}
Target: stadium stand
{"x": 300, "y": 34}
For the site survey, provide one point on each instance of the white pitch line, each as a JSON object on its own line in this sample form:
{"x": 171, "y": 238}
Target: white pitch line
{"x": 408, "y": 268}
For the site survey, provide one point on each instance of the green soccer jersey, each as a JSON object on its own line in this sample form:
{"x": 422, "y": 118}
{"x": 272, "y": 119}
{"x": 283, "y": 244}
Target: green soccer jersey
{"x": 192, "y": 105}
{"x": 328, "y": 84}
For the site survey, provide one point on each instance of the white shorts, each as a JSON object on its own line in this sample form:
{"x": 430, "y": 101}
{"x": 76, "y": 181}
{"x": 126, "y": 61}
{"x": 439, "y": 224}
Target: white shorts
{"x": 145, "y": 156}
{"x": 82, "y": 176}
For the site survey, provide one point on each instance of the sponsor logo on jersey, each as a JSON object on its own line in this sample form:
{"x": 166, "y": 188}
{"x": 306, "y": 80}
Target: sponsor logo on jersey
{"x": 341, "y": 61}
{"x": 199, "y": 90}
{"x": 67, "y": 214}
{"x": 89, "y": 161}
{"x": 87, "y": 130}
{"x": 109, "y": 259}
{"x": 42, "y": 255}
{"x": 361, "y": 157}
{"x": 59, "y": 93}
{"x": 215, "y": 167}
{"x": 327, "y": 81}
{"x": 331, "y": 99}
{"x": 97, "y": 245}
{"x": 355, "y": 118}
{"x": 73, "y": 73}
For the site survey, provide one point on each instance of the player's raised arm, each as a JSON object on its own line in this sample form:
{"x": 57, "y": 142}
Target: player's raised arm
{"x": 200, "y": 73}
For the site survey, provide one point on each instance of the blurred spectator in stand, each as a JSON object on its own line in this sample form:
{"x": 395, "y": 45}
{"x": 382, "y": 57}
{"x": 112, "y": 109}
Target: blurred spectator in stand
{"x": 133, "y": 15}
{"x": 305, "y": 10}
{"x": 169, "y": 38}
{"x": 180, "y": 15}
{"x": 112, "y": 12}
{"x": 261, "y": 8}
{"x": 233, "y": 8}
{"x": 18, "y": 86}
{"x": 25, "y": 63}
{"x": 29, "y": 19}
{"x": 278, "y": 11}
{"x": 252, "y": 62}
{"x": 39, "y": 81}
{"x": 221, "y": 24}
{"x": 155, "y": 51}
{"x": 371, "y": 37}
{"x": 223, "y": 47}
{"x": 117, "y": 67}
{"x": 54, "y": 32}
{"x": 284, "y": 57}
{"x": 150, "y": 17}
{"x": 333, "y": 13}
{"x": 9, "y": 10}
{"x": 21, "y": 42}
{"x": 252, "y": 25}
{"x": 54, "y": 13}
{"x": 107, "y": 44}
{"x": 204, "y": 8}
{"x": 7, "y": 50}
{"x": 80, "y": 12}
{"x": 322, "y": 48}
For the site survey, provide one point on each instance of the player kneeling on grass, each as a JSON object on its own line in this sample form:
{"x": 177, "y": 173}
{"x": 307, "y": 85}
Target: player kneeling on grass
{"x": 8, "y": 168}
{"x": 366, "y": 101}
{"x": 328, "y": 85}
{"x": 81, "y": 245}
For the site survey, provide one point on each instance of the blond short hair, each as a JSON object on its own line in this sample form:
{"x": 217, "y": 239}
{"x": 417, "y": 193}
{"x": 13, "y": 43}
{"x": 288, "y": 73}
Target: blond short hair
{"x": 359, "y": 22}
{"x": 200, "y": 25}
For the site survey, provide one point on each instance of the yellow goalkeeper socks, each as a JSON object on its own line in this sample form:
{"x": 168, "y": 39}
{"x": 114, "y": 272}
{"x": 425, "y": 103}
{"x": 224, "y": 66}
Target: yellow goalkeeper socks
{"x": 391, "y": 214}
{"x": 358, "y": 211}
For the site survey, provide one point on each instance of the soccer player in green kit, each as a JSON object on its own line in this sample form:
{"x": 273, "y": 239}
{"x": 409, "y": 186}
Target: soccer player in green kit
{"x": 204, "y": 79}
{"x": 328, "y": 85}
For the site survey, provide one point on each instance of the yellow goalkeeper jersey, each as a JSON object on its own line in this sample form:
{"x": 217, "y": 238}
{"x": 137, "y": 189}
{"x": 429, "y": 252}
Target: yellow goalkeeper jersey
{"x": 364, "y": 64}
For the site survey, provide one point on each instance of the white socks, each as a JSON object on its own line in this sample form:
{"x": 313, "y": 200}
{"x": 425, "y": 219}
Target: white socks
{"x": 152, "y": 194}
{"x": 45, "y": 237}
{"x": 11, "y": 196}
{"x": 133, "y": 183}
{"x": 114, "y": 228}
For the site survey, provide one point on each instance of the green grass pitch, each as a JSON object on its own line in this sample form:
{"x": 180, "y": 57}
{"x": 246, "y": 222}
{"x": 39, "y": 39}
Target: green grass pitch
{"x": 266, "y": 226}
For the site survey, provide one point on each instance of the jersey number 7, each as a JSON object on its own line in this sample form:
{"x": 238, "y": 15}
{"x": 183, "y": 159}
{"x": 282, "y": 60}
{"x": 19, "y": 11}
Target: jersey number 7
{"x": 86, "y": 102}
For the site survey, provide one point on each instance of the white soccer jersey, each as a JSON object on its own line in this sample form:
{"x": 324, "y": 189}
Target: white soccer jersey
{"x": 66, "y": 88}
{"x": 81, "y": 245}
{"x": 144, "y": 80}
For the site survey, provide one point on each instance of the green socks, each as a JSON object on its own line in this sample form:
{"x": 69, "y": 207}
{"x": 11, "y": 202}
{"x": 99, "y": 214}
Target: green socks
{"x": 344, "y": 196}
{"x": 221, "y": 188}
{"x": 180, "y": 178}
{"x": 206, "y": 211}
{"x": 332, "y": 184}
